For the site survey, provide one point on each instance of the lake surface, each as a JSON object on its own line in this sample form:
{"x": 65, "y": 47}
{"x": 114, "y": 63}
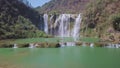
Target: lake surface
{"x": 67, "y": 57}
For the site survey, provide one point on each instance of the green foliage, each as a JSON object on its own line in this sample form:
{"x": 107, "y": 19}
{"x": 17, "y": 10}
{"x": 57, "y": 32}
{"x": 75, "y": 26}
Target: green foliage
{"x": 19, "y": 20}
{"x": 22, "y": 28}
{"x": 89, "y": 39}
{"x": 96, "y": 17}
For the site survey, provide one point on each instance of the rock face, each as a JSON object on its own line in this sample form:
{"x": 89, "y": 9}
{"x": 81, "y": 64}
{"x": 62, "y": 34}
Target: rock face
{"x": 64, "y": 6}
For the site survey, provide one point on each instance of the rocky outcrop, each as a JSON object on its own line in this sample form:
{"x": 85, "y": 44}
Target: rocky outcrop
{"x": 63, "y": 6}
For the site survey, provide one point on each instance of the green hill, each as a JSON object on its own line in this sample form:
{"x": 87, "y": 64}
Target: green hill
{"x": 18, "y": 20}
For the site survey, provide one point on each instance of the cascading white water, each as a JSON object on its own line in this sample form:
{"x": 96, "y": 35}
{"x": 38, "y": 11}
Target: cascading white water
{"x": 92, "y": 45}
{"x": 15, "y": 46}
{"x": 45, "y": 23}
{"x": 76, "y": 29}
{"x": 62, "y": 27}
{"x": 31, "y": 46}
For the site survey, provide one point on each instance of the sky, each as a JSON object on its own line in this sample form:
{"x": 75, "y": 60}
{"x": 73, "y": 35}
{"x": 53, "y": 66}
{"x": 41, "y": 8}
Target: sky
{"x": 36, "y": 3}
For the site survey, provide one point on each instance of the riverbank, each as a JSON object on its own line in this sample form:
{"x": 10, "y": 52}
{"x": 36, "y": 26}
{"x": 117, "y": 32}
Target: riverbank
{"x": 55, "y": 42}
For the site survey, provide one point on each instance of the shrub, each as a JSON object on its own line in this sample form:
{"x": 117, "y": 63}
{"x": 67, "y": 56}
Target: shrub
{"x": 116, "y": 21}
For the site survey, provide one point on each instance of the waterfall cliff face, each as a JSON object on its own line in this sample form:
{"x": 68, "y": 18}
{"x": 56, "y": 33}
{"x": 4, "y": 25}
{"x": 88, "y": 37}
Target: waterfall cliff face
{"x": 63, "y": 25}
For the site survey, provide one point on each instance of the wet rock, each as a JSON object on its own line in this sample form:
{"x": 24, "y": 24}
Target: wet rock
{"x": 25, "y": 45}
{"x": 111, "y": 38}
{"x": 6, "y": 46}
{"x": 58, "y": 45}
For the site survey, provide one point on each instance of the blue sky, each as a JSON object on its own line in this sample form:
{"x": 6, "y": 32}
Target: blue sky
{"x": 36, "y": 3}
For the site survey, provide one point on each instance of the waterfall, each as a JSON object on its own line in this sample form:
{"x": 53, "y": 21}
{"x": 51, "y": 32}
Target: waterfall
{"x": 45, "y": 16}
{"x": 51, "y": 26}
{"x": 31, "y": 46}
{"x": 92, "y": 45}
{"x": 15, "y": 46}
{"x": 56, "y": 27}
{"x": 76, "y": 29}
{"x": 63, "y": 30}
{"x": 61, "y": 27}
{"x": 64, "y": 25}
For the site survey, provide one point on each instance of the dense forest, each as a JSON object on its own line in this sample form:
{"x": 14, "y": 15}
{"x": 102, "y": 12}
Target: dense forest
{"x": 19, "y": 20}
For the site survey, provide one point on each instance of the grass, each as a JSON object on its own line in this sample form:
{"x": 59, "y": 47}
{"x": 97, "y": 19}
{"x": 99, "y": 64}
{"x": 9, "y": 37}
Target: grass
{"x": 49, "y": 40}
{"x": 89, "y": 39}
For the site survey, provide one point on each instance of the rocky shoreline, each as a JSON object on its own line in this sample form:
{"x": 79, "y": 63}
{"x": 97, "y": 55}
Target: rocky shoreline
{"x": 57, "y": 45}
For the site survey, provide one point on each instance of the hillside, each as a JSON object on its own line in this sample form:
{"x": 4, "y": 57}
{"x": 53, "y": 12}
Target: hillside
{"x": 18, "y": 20}
{"x": 63, "y": 6}
{"x": 102, "y": 19}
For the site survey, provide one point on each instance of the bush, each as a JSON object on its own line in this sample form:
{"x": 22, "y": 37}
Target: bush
{"x": 116, "y": 21}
